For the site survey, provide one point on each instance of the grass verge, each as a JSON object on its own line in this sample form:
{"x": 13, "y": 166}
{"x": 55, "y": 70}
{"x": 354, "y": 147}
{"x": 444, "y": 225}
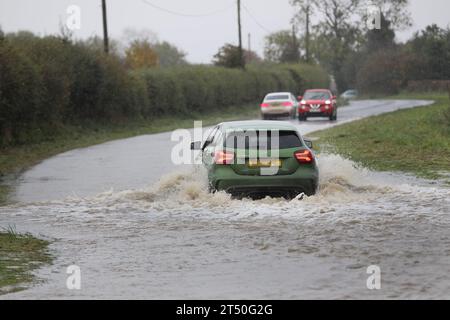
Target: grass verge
{"x": 415, "y": 141}
{"x": 19, "y": 255}
{"x": 16, "y": 159}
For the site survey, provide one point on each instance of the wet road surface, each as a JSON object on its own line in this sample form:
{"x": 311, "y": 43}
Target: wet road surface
{"x": 161, "y": 235}
{"x": 141, "y": 161}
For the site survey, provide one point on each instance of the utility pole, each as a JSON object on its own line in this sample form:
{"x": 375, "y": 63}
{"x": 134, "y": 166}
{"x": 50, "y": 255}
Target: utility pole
{"x": 241, "y": 52}
{"x": 249, "y": 47}
{"x": 308, "y": 12}
{"x": 105, "y": 28}
{"x": 295, "y": 48}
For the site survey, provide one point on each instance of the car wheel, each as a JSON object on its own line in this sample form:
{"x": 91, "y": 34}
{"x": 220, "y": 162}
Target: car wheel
{"x": 333, "y": 117}
{"x": 302, "y": 118}
{"x": 211, "y": 189}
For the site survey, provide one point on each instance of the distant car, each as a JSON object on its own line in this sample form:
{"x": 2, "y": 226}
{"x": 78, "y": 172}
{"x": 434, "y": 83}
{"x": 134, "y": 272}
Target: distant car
{"x": 350, "y": 95}
{"x": 317, "y": 103}
{"x": 279, "y": 104}
{"x": 236, "y": 155}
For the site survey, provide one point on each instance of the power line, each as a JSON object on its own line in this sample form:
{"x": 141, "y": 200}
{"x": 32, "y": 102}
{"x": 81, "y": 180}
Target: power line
{"x": 200, "y": 15}
{"x": 255, "y": 20}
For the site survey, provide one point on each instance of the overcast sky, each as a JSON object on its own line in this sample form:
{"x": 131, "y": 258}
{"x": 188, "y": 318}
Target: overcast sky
{"x": 199, "y": 36}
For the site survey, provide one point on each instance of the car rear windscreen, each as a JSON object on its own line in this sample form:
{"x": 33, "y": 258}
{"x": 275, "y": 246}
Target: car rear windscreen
{"x": 253, "y": 139}
{"x": 317, "y": 95}
{"x": 277, "y": 97}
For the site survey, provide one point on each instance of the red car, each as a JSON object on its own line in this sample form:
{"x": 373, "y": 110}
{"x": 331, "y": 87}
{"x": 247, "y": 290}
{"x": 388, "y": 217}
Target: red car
{"x": 317, "y": 103}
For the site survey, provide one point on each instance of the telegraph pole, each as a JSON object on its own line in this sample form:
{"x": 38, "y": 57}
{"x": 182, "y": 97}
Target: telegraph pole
{"x": 308, "y": 12}
{"x": 241, "y": 52}
{"x": 249, "y": 47}
{"x": 105, "y": 28}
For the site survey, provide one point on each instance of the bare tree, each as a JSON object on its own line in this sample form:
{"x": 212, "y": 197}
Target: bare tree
{"x": 337, "y": 15}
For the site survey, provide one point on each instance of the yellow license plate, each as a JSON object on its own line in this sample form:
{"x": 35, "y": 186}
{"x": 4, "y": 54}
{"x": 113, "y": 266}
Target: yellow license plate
{"x": 264, "y": 163}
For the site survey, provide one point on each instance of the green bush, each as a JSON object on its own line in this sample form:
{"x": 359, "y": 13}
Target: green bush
{"x": 389, "y": 71}
{"x": 47, "y": 83}
{"x": 20, "y": 96}
{"x": 200, "y": 89}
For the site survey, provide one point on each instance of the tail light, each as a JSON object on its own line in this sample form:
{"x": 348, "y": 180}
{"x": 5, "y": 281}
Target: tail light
{"x": 264, "y": 105}
{"x": 304, "y": 156}
{"x": 287, "y": 104}
{"x": 223, "y": 157}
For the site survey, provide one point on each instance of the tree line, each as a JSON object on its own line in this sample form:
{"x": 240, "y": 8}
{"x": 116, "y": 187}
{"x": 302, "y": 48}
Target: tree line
{"x": 336, "y": 34}
{"x": 48, "y": 83}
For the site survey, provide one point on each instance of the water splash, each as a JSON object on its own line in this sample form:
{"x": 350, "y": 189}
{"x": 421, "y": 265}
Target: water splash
{"x": 358, "y": 218}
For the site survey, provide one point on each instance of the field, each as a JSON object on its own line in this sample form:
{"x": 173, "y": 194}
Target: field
{"x": 414, "y": 141}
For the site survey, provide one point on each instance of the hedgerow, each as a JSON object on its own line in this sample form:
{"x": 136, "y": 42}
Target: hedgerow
{"x": 47, "y": 83}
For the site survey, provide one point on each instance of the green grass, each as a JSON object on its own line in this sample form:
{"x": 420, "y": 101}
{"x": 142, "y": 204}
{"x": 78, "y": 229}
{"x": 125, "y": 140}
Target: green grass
{"x": 16, "y": 159}
{"x": 19, "y": 255}
{"x": 415, "y": 141}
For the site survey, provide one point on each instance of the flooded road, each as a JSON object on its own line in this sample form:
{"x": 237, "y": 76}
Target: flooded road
{"x": 161, "y": 235}
{"x": 139, "y": 162}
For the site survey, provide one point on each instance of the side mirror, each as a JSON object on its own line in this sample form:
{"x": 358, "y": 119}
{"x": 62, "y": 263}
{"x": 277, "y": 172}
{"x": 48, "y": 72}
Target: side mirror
{"x": 300, "y": 98}
{"x": 309, "y": 143}
{"x": 197, "y": 145}
{"x": 334, "y": 97}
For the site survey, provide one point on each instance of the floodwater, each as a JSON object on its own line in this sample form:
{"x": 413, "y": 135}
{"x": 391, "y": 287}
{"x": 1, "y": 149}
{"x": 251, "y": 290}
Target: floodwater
{"x": 170, "y": 239}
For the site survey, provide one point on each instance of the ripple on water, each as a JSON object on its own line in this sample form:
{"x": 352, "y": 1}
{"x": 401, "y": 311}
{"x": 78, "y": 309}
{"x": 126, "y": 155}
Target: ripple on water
{"x": 357, "y": 219}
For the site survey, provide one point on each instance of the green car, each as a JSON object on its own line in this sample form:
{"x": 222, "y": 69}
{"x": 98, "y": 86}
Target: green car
{"x": 259, "y": 158}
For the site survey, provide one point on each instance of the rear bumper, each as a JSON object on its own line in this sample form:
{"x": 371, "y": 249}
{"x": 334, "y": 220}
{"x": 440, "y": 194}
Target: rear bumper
{"x": 304, "y": 180}
{"x": 277, "y": 110}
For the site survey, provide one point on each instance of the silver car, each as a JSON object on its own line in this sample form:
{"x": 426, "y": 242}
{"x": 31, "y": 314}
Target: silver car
{"x": 279, "y": 104}
{"x": 350, "y": 94}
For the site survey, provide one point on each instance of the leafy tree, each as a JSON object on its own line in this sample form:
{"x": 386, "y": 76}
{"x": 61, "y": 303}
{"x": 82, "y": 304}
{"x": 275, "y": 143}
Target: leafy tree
{"x": 336, "y": 35}
{"x": 169, "y": 55}
{"x": 141, "y": 55}
{"x": 229, "y": 57}
{"x": 387, "y": 71}
{"x": 282, "y": 47}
